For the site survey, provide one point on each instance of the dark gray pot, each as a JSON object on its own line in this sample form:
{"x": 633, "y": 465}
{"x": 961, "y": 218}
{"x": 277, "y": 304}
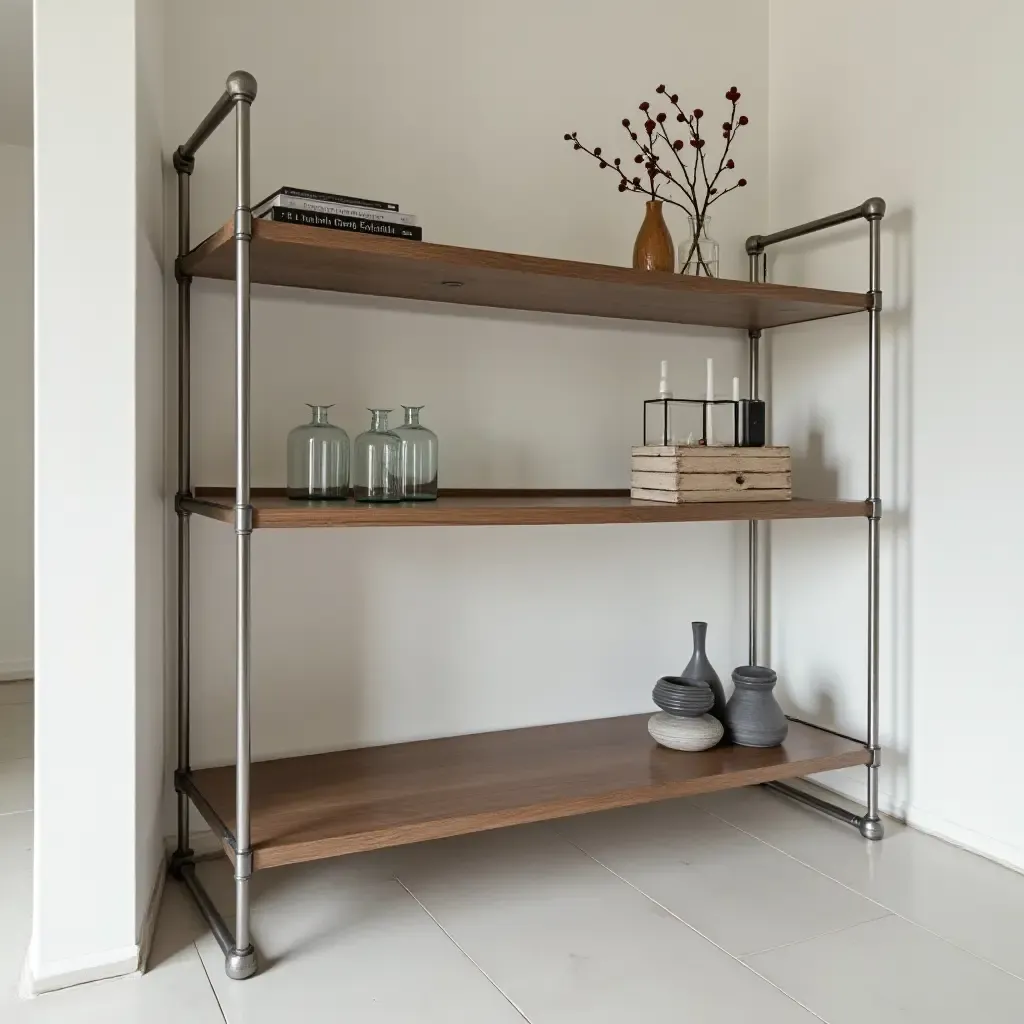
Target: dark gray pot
{"x": 753, "y": 717}
{"x": 699, "y": 669}
{"x": 682, "y": 697}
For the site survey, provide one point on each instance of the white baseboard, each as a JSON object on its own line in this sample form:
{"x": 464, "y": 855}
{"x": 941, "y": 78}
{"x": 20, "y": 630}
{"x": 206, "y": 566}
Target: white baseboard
{"x": 15, "y": 671}
{"x": 115, "y": 963}
{"x": 111, "y": 963}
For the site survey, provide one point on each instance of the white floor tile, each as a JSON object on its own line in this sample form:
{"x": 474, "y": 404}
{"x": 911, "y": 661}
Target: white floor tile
{"x": 16, "y": 782}
{"x": 569, "y": 942}
{"x": 342, "y": 940}
{"x": 15, "y": 731}
{"x": 970, "y": 901}
{"x": 892, "y": 972}
{"x": 173, "y": 991}
{"x": 19, "y": 692}
{"x": 739, "y": 892}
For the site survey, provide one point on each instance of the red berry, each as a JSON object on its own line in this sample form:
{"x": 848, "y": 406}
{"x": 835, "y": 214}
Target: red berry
{"x": 636, "y": 181}
{"x": 648, "y": 127}
{"x": 741, "y": 182}
{"x": 674, "y": 98}
{"x": 698, "y": 113}
{"x": 726, "y": 126}
{"x": 661, "y": 118}
{"x": 567, "y": 136}
{"x": 622, "y": 186}
{"x": 645, "y": 105}
{"x": 680, "y": 117}
{"x": 597, "y": 151}
{"x": 576, "y": 145}
{"x": 730, "y": 163}
{"x": 744, "y": 119}
{"x": 733, "y": 94}
{"x": 678, "y": 144}
{"x": 638, "y": 159}
{"x": 617, "y": 161}
{"x": 660, "y": 88}
{"x": 603, "y": 164}
{"x": 625, "y": 122}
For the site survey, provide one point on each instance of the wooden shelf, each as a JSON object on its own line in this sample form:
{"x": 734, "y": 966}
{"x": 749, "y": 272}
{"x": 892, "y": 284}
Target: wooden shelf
{"x": 271, "y": 509}
{"x": 324, "y": 805}
{"x": 341, "y": 261}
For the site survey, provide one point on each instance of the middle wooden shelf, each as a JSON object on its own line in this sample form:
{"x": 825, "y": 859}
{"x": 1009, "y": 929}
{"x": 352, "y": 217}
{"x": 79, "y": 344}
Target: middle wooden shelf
{"x": 272, "y": 509}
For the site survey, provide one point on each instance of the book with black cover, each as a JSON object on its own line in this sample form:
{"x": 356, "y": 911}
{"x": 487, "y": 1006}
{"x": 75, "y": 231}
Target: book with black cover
{"x": 337, "y": 223}
{"x": 329, "y": 197}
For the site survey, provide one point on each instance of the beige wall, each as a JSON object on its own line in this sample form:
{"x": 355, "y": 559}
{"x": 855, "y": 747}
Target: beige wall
{"x": 887, "y": 99}
{"x": 16, "y": 413}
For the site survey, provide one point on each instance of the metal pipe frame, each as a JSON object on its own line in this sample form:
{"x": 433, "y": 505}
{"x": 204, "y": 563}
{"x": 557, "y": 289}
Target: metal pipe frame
{"x": 239, "y": 953}
{"x": 869, "y": 824}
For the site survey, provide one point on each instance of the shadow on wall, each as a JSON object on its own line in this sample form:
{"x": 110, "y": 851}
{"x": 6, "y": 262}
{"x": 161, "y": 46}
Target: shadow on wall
{"x": 817, "y": 474}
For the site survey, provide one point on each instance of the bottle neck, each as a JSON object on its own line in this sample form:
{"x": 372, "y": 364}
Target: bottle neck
{"x": 379, "y": 419}
{"x": 319, "y": 415}
{"x": 412, "y": 415}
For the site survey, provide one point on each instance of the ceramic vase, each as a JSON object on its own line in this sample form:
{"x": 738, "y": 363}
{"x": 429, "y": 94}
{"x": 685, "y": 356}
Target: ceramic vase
{"x": 699, "y": 669}
{"x": 684, "y": 698}
{"x": 753, "y": 716}
{"x": 653, "y": 247}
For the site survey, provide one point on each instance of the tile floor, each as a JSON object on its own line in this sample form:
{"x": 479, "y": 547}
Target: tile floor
{"x": 723, "y": 908}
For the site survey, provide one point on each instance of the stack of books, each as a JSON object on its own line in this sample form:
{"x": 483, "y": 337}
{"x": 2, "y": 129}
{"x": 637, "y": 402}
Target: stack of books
{"x": 342, "y": 213}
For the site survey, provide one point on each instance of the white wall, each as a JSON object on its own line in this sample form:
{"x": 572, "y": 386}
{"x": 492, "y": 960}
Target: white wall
{"x": 867, "y": 99}
{"x": 457, "y": 111}
{"x": 16, "y": 413}
{"x": 98, "y": 642}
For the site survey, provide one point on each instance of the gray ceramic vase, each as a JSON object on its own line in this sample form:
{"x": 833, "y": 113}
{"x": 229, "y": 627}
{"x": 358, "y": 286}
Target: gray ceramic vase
{"x": 684, "y": 698}
{"x": 699, "y": 669}
{"x": 753, "y": 717}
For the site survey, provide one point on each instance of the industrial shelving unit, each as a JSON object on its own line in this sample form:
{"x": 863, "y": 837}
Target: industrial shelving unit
{"x": 305, "y": 808}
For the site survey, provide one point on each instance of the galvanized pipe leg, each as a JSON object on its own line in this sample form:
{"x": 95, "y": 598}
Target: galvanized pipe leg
{"x": 871, "y": 826}
{"x": 183, "y": 850}
{"x": 754, "y": 339}
{"x": 241, "y": 961}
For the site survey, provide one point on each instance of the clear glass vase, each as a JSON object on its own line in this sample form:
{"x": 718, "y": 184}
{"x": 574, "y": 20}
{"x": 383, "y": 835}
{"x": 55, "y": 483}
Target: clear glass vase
{"x": 698, "y": 255}
{"x": 376, "y": 461}
{"x": 318, "y": 459}
{"x": 418, "y": 457}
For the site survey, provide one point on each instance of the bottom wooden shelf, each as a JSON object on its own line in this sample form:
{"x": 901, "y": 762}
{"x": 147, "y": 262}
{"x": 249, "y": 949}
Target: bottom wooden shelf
{"x": 323, "y": 805}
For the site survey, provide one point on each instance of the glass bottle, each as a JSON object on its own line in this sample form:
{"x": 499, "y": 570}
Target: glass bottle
{"x": 698, "y": 255}
{"x": 318, "y": 457}
{"x": 419, "y": 457}
{"x": 376, "y": 461}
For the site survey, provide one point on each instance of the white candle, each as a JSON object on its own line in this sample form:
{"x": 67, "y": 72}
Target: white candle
{"x": 709, "y": 431}
{"x": 735, "y": 389}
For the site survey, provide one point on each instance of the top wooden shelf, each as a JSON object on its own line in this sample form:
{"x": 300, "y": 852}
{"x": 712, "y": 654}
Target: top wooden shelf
{"x": 341, "y": 261}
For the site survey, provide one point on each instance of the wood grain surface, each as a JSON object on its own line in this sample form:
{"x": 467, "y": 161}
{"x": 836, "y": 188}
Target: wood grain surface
{"x": 516, "y": 508}
{"x": 305, "y": 257}
{"x": 324, "y": 805}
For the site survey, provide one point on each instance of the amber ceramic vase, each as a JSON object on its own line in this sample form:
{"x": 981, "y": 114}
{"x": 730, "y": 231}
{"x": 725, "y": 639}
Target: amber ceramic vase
{"x": 653, "y": 248}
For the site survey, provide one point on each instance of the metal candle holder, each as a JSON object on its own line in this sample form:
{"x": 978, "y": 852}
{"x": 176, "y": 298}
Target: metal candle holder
{"x": 748, "y": 419}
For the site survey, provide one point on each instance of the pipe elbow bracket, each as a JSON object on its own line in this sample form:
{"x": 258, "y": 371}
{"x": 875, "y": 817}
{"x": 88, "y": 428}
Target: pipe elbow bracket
{"x": 755, "y": 245}
{"x": 874, "y": 508}
{"x": 181, "y": 163}
{"x": 241, "y": 86}
{"x": 873, "y": 208}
